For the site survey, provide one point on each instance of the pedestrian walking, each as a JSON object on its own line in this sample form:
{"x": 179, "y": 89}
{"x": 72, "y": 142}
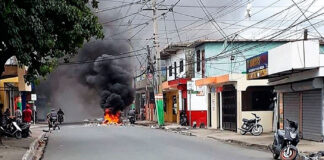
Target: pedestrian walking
{"x": 27, "y": 114}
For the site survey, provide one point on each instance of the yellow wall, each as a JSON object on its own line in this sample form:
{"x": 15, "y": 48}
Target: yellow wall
{"x": 266, "y": 119}
{"x": 3, "y": 96}
{"x": 22, "y": 85}
{"x": 169, "y": 116}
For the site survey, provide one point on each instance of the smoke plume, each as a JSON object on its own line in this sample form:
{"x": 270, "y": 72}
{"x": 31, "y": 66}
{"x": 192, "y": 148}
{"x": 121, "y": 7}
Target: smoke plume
{"x": 112, "y": 80}
{"x": 82, "y": 90}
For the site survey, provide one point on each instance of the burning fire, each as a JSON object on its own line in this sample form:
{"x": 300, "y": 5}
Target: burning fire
{"x": 110, "y": 118}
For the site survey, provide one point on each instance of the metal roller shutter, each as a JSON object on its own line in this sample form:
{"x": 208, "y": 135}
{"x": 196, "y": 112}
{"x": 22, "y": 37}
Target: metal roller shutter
{"x": 291, "y": 107}
{"x": 312, "y": 115}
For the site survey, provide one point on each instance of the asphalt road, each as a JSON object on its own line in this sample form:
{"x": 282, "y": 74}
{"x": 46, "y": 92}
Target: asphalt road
{"x": 139, "y": 143}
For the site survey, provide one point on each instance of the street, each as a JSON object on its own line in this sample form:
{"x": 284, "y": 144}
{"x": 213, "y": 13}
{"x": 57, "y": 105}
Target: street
{"x": 79, "y": 142}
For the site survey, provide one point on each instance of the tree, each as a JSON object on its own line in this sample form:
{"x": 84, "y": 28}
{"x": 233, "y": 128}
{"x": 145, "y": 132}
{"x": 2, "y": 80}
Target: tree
{"x": 39, "y": 32}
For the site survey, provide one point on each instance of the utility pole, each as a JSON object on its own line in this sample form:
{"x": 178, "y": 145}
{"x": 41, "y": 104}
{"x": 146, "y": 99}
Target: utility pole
{"x": 156, "y": 44}
{"x": 147, "y": 92}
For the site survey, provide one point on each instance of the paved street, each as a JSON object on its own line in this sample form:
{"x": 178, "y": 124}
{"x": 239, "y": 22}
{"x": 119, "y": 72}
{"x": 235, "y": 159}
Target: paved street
{"x": 138, "y": 143}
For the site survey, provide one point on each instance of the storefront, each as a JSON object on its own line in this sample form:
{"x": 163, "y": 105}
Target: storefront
{"x": 302, "y": 102}
{"x": 295, "y": 70}
{"x": 236, "y": 98}
{"x": 175, "y": 98}
{"x": 198, "y": 104}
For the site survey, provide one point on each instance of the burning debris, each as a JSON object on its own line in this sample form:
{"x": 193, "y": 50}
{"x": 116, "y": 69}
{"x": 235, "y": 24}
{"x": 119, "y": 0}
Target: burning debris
{"x": 111, "y": 78}
{"x": 110, "y": 118}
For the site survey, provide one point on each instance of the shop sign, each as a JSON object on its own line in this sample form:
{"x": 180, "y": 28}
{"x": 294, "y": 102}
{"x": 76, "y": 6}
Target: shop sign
{"x": 158, "y": 96}
{"x": 33, "y": 97}
{"x": 190, "y": 85}
{"x": 257, "y": 66}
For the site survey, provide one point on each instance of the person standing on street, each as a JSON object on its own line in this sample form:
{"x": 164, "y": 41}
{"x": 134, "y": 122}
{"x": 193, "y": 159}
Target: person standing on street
{"x": 60, "y": 115}
{"x": 18, "y": 115}
{"x": 27, "y": 114}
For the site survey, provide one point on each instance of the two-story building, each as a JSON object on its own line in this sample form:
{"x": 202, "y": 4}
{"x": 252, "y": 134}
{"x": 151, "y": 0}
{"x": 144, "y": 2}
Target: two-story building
{"x": 221, "y": 67}
{"x": 178, "y": 63}
{"x": 14, "y": 91}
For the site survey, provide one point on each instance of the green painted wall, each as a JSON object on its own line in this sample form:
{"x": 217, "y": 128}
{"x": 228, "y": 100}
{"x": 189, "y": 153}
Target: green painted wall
{"x": 240, "y": 50}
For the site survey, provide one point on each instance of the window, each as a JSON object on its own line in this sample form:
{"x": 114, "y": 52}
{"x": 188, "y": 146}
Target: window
{"x": 170, "y": 71}
{"x": 198, "y": 60}
{"x": 181, "y": 66}
{"x": 258, "y": 99}
{"x": 175, "y": 105}
{"x": 175, "y": 70}
{"x": 203, "y": 63}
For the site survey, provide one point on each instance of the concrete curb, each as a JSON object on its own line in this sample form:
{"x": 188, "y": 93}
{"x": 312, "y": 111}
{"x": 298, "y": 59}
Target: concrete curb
{"x": 255, "y": 146}
{"x": 30, "y": 153}
{"x": 302, "y": 155}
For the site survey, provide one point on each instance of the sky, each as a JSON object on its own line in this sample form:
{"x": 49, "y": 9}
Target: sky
{"x": 127, "y": 21}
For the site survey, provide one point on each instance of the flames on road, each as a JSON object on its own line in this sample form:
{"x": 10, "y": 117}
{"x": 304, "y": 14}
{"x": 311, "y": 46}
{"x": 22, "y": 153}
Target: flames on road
{"x": 110, "y": 118}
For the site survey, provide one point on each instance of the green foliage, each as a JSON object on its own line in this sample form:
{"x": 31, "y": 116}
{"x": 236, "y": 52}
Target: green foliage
{"x": 38, "y": 32}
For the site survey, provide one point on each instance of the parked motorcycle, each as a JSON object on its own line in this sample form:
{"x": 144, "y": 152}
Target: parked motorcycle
{"x": 60, "y": 118}
{"x": 131, "y": 116}
{"x": 11, "y": 128}
{"x": 53, "y": 124}
{"x": 252, "y": 126}
{"x": 285, "y": 142}
{"x": 25, "y": 131}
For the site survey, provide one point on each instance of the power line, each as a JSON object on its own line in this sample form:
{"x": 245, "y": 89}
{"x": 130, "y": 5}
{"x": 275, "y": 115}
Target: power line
{"x": 176, "y": 27}
{"x": 105, "y": 59}
{"x": 307, "y": 18}
{"x": 265, "y": 19}
{"x": 249, "y": 48}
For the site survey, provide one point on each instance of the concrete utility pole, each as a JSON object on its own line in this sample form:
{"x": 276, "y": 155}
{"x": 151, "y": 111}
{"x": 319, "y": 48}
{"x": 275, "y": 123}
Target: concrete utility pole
{"x": 156, "y": 44}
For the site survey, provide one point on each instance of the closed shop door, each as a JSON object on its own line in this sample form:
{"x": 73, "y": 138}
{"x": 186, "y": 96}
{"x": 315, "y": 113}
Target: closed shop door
{"x": 291, "y": 107}
{"x": 229, "y": 110}
{"x": 312, "y": 115}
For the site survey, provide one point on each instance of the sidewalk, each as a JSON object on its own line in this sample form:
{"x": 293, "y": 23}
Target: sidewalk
{"x": 261, "y": 141}
{"x": 14, "y": 149}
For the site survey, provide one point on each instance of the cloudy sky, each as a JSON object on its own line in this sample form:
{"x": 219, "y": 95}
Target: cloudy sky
{"x": 127, "y": 21}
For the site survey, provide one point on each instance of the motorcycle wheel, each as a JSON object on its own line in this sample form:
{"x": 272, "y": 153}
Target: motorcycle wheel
{"x": 242, "y": 132}
{"x": 18, "y": 135}
{"x": 288, "y": 156}
{"x": 256, "y": 131}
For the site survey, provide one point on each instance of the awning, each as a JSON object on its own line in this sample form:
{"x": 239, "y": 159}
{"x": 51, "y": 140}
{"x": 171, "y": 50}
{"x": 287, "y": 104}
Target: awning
{"x": 212, "y": 80}
{"x": 316, "y": 83}
{"x": 176, "y": 84}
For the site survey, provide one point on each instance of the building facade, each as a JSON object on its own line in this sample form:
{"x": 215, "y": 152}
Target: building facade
{"x": 220, "y": 66}
{"x": 14, "y": 91}
{"x": 178, "y": 63}
{"x": 296, "y": 70}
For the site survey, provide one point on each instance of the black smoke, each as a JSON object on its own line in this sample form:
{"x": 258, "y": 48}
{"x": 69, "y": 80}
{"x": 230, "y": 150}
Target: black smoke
{"x": 111, "y": 78}
{"x": 99, "y": 80}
